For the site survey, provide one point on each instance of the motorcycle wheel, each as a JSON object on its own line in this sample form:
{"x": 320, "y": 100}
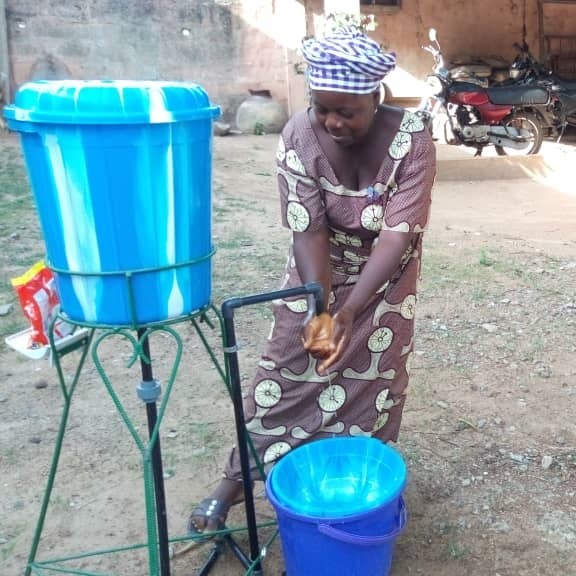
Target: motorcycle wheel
{"x": 525, "y": 121}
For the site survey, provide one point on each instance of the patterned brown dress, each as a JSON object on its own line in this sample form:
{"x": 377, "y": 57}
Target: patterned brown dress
{"x": 289, "y": 402}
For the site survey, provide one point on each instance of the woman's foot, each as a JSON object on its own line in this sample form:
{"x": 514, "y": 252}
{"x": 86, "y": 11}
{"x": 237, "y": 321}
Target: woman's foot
{"x": 210, "y": 514}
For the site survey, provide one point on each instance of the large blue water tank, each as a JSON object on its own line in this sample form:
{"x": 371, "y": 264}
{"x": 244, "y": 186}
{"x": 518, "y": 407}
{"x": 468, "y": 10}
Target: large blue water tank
{"x": 121, "y": 176}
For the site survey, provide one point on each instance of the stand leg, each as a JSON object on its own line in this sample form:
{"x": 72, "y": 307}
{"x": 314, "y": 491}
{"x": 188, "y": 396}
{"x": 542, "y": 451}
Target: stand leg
{"x": 67, "y": 394}
{"x": 149, "y": 391}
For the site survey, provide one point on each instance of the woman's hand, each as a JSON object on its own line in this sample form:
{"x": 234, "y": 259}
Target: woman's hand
{"x": 318, "y": 336}
{"x": 327, "y": 337}
{"x": 342, "y": 323}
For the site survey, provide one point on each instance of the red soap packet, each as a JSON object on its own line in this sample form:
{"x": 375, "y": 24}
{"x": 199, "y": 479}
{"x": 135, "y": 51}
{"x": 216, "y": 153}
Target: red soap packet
{"x": 36, "y": 290}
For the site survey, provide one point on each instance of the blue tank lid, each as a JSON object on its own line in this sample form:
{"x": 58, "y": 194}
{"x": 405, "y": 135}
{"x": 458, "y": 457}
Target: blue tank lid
{"x": 109, "y": 102}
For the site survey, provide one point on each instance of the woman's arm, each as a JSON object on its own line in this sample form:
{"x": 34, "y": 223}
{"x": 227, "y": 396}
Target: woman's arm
{"x": 303, "y": 212}
{"x": 312, "y": 257}
{"x": 381, "y": 266}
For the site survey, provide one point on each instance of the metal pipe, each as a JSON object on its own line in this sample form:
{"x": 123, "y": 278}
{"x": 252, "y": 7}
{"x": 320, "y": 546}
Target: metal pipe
{"x": 157, "y": 468}
{"x": 231, "y": 355}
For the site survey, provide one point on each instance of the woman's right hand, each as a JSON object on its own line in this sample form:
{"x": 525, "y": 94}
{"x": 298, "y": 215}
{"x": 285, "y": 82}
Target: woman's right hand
{"x": 318, "y": 332}
{"x": 340, "y": 337}
{"x": 327, "y": 337}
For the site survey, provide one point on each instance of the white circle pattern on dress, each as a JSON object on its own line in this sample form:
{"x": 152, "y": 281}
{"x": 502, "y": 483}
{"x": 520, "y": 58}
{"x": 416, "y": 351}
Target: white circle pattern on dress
{"x": 267, "y": 393}
{"x": 380, "y": 340}
{"x": 332, "y": 398}
{"x": 298, "y": 217}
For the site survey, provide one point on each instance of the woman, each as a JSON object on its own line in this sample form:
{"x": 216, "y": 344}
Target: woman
{"x": 355, "y": 181}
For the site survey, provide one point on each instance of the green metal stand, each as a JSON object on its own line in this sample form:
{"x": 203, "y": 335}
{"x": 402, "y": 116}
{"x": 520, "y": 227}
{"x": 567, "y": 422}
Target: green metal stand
{"x": 149, "y": 392}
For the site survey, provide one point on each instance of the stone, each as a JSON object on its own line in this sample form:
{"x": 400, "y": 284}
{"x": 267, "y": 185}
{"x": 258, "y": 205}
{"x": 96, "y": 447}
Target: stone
{"x": 547, "y": 462}
{"x": 221, "y": 129}
{"x": 5, "y": 309}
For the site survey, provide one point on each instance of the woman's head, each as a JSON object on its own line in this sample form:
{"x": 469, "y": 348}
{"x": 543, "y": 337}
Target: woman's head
{"x": 346, "y": 117}
{"x": 345, "y": 70}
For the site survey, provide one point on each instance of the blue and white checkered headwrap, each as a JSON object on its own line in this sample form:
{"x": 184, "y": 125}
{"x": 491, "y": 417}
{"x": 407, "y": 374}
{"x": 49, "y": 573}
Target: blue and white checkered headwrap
{"x": 346, "y": 61}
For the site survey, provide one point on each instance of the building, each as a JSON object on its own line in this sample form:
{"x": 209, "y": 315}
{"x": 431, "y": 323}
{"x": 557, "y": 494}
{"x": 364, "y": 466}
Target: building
{"x": 232, "y": 46}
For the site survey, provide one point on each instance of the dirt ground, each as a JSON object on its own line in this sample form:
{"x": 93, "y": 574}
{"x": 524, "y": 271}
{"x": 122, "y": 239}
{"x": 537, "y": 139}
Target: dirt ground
{"x": 489, "y": 433}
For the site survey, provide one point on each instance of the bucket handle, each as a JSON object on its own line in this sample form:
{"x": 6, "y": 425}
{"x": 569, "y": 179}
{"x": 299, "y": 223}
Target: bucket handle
{"x": 342, "y": 536}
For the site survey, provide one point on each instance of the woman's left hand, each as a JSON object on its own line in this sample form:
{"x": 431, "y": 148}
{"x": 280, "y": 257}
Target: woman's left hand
{"x": 342, "y": 323}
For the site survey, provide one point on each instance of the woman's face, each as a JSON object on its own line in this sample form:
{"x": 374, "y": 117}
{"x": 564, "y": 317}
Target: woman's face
{"x": 346, "y": 117}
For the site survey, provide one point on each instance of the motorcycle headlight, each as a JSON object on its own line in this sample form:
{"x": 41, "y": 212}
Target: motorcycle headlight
{"x": 514, "y": 73}
{"x": 435, "y": 85}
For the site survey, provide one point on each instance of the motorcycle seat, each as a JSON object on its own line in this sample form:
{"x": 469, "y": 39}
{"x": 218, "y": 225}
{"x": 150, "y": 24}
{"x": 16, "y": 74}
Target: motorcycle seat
{"x": 568, "y": 85}
{"x": 524, "y": 95}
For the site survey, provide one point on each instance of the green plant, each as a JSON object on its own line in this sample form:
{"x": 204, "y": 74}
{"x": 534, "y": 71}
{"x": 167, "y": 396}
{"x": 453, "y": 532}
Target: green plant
{"x": 364, "y": 22}
{"x": 7, "y": 549}
{"x": 479, "y": 293}
{"x": 485, "y": 259}
{"x": 457, "y": 551}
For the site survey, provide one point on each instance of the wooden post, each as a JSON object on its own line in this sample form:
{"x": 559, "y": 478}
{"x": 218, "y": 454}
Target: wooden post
{"x": 309, "y": 14}
{"x": 4, "y": 56}
{"x": 541, "y": 46}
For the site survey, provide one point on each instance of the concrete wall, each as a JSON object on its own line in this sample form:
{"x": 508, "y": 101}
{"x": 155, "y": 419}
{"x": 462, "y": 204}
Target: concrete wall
{"x": 231, "y": 46}
{"x": 228, "y": 46}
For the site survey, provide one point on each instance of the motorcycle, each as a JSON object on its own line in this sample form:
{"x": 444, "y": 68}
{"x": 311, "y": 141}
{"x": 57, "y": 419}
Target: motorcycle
{"x": 510, "y": 118}
{"x": 526, "y": 70}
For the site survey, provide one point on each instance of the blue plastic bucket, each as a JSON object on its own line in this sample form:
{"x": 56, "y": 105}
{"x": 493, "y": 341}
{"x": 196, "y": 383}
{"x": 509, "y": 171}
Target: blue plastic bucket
{"x": 121, "y": 176}
{"x": 339, "y": 506}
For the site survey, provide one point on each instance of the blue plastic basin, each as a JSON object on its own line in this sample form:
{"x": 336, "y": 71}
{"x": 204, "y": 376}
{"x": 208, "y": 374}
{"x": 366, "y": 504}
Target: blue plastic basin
{"x": 338, "y": 477}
